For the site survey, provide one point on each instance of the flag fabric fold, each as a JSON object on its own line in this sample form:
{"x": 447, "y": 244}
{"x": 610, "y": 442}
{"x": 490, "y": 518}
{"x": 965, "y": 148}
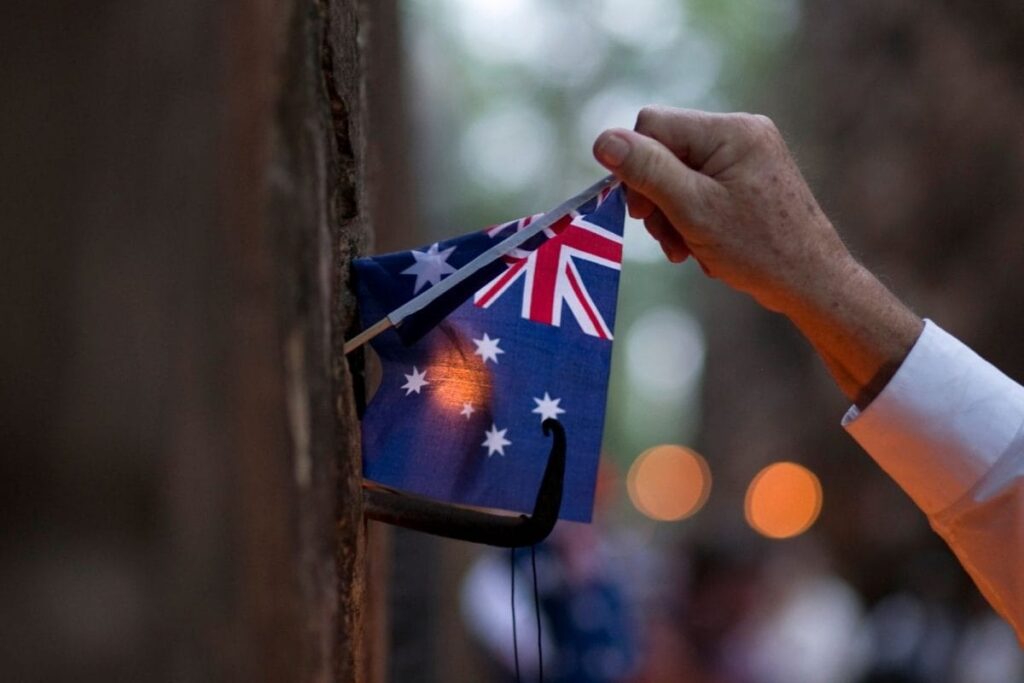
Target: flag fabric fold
{"x": 466, "y": 384}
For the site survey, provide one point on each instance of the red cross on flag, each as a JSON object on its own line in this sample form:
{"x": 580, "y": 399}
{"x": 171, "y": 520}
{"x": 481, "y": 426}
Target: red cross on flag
{"x": 552, "y": 277}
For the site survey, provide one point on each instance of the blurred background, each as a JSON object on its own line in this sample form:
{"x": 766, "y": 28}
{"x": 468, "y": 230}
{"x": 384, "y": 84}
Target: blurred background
{"x": 182, "y": 187}
{"x": 740, "y": 535}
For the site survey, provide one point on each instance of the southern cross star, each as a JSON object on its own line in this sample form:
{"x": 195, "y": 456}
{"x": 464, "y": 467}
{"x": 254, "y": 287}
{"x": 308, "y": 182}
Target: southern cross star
{"x": 548, "y": 407}
{"x": 416, "y": 381}
{"x": 467, "y": 410}
{"x": 495, "y": 441}
{"x": 487, "y": 348}
{"x": 431, "y": 265}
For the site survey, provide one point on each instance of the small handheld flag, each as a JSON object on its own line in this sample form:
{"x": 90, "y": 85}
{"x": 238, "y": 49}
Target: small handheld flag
{"x": 453, "y": 290}
{"x": 469, "y": 377}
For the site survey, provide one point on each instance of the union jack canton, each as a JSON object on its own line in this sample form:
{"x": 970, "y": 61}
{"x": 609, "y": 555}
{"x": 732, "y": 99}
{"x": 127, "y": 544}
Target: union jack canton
{"x": 457, "y": 414}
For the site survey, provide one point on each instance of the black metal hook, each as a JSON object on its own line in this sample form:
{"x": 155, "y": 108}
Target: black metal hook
{"x": 466, "y": 524}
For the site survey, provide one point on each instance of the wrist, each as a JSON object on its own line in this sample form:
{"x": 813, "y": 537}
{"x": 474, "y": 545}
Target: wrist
{"x": 815, "y": 279}
{"x": 859, "y": 328}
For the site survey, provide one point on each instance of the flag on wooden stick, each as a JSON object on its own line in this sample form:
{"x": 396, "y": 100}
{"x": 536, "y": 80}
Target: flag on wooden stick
{"x": 466, "y": 384}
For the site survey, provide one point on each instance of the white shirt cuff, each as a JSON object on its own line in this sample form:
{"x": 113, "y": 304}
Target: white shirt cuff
{"x": 944, "y": 419}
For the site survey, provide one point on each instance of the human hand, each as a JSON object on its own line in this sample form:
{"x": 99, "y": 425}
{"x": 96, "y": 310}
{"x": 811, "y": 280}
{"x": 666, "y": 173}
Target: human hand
{"x": 725, "y": 189}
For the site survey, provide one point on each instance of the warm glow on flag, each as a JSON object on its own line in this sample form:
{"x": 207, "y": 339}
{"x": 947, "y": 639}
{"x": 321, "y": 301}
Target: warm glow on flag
{"x": 461, "y": 381}
{"x": 783, "y": 500}
{"x": 668, "y": 482}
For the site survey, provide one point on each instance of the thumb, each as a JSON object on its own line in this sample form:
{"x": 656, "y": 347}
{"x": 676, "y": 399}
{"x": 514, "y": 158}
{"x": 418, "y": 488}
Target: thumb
{"x": 650, "y": 168}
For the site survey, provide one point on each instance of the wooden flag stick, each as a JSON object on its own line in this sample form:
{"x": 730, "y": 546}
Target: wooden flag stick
{"x": 417, "y": 303}
{"x": 366, "y": 335}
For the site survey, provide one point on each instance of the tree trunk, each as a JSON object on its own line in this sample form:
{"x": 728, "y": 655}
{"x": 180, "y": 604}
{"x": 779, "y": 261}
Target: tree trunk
{"x": 183, "y": 188}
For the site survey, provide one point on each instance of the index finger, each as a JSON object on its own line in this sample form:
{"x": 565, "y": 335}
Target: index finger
{"x": 691, "y": 135}
{"x": 639, "y": 205}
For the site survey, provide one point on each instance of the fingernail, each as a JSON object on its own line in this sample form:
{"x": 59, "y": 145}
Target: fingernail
{"x": 612, "y": 150}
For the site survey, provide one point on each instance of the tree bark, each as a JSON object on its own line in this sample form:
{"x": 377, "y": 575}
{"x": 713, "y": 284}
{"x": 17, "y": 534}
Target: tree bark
{"x": 183, "y": 188}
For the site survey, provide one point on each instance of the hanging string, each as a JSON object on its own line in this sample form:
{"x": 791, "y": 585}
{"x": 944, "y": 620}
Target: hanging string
{"x": 515, "y": 643}
{"x": 536, "y": 609}
{"x": 536, "y": 606}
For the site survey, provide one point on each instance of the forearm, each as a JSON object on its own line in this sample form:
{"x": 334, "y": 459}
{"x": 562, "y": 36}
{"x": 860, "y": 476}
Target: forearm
{"x": 859, "y": 328}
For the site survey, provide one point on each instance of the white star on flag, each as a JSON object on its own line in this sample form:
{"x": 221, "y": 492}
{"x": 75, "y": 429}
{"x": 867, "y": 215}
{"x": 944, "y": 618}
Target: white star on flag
{"x": 416, "y": 381}
{"x": 431, "y": 265}
{"x": 495, "y": 441}
{"x": 487, "y": 348}
{"x": 467, "y": 410}
{"x": 548, "y": 407}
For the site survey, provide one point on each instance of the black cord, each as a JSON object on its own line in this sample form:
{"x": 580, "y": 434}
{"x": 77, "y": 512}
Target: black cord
{"x": 536, "y": 607}
{"x": 515, "y": 644}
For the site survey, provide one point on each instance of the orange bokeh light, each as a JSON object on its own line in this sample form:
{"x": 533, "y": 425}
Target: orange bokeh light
{"x": 783, "y": 500}
{"x": 668, "y": 482}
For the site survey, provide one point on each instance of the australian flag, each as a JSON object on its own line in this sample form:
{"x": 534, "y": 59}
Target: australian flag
{"x": 465, "y": 386}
